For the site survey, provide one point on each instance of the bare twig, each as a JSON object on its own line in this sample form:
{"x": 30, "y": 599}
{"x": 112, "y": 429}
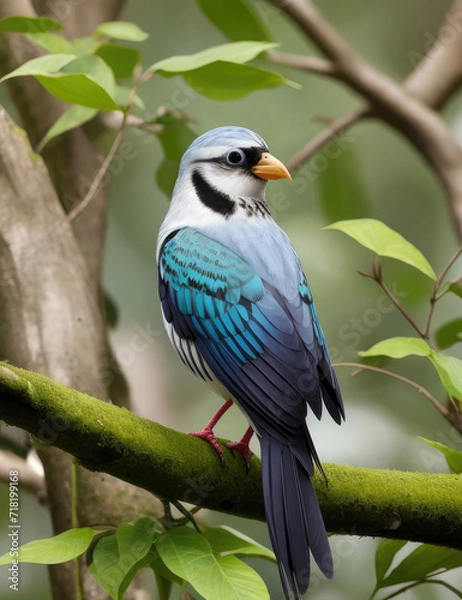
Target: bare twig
{"x": 75, "y": 212}
{"x": 110, "y": 155}
{"x": 400, "y": 307}
{"x": 436, "y": 288}
{"x": 335, "y": 129}
{"x": 416, "y": 583}
{"x": 378, "y": 278}
{"x": 360, "y": 367}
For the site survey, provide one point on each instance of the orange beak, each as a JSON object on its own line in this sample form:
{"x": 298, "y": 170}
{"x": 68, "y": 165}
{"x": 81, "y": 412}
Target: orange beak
{"x": 269, "y": 167}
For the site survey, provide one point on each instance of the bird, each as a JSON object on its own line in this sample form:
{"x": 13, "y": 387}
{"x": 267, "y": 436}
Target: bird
{"x": 238, "y": 310}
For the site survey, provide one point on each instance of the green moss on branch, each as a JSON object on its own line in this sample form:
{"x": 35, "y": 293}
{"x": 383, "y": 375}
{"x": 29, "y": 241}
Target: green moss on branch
{"x": 415, "y": 506}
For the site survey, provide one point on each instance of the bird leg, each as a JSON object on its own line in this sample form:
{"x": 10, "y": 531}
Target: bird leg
{"x": 207, "y": 432}
{"x": 243, "y": 446}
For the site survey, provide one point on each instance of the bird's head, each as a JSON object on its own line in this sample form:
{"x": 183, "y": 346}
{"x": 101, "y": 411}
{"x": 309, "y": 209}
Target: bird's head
{"x": 224, "y": 171}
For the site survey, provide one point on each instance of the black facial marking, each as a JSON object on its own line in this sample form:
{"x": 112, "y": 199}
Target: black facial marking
{"x": 252, "y": 157}
{"x": 211, "y": 197}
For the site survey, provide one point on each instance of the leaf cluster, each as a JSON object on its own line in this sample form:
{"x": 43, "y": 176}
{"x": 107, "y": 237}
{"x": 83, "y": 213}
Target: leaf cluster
{"x": 205, "y": 561}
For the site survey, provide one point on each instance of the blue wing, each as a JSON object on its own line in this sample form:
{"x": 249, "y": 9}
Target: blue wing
{"x": 268, "y": 351}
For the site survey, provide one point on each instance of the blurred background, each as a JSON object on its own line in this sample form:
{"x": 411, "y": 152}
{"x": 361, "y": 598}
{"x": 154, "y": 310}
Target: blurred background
{"x": 368, "y": 172}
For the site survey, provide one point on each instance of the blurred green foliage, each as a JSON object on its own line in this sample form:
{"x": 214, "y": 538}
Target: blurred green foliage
{"x": 376, "y": 174}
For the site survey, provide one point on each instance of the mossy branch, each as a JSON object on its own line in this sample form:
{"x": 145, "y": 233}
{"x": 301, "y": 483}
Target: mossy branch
{"x": 413, "y": 506}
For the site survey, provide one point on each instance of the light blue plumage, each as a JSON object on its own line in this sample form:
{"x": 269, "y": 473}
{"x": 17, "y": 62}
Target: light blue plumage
{"x": 239, "y": 312}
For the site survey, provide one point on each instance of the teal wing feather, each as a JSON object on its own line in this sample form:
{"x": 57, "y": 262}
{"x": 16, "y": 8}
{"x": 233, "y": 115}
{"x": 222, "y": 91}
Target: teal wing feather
{"x": 268, "y": 352}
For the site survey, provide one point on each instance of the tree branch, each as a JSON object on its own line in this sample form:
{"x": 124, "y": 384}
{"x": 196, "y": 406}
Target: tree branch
{"x": 390, "y": 101}
{"x": 335, "y": 128}
{"x": 439, "y": 74}
{"x": 433, "y": 81}
{"x": 173, "y": 465}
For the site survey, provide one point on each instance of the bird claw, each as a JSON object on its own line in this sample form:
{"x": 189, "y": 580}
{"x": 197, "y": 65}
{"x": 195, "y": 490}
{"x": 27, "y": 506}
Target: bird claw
{"x": 242, "y": 448}
{"x": 208, "y": 435}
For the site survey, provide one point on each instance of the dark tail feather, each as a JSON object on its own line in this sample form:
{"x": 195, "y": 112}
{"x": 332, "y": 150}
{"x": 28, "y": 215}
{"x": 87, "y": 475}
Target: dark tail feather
{"x": 294, "y": 520}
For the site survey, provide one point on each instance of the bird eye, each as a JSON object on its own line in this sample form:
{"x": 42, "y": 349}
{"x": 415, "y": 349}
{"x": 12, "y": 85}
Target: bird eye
{"x": 235, "y": 157}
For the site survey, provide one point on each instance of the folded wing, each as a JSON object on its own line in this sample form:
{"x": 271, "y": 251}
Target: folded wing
{"x": 266, "y": 349}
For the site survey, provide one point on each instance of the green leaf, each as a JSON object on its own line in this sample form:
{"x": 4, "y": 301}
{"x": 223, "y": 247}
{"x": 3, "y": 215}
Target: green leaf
{"x": 73, "y": 117}
{"x": 120, "y": 59}
{"x": 161, "y": 571}
{"x": 453, "y": 457}
{"x": 398, "y": 347}
{"x": 164, "y": 586}
{"x": 85, "y": 80}
{"x": 237, "y": 52}
{"x": 122, "y": 95}
{"x": 117, "y": 558}
{"x": 53, "y": 42}
{"x": 189, "y": 555}
{"x": 450, "y": 372}
{"x": 28, "y": 25}
{"x": 166, "y": 176}
{"x": 456, "y": 287}
{"x": 175, "y": 137}
{"x": 448, "y": 368}
{"x": 58, "y": 549}
{"x": 228, "y": 81}
{"x": 382, "y": 240}
{"x": 219, "y": 72}
{"x": 85, "y": 45}
{"x": 423, "y": 561}
{"x": 450, "y": 286}
{"x": 384, "y": 557}
{"x": 121, "y": 30}
{"x": 226, "y": 540}
{"x": 237, "y": 20}
{"x": 110, "y": 310}
{"x": 78, "y": 89}
{"x": 449, "y": 334}
{"x": 340, "y": 182}
{"x": 43, "y": 65}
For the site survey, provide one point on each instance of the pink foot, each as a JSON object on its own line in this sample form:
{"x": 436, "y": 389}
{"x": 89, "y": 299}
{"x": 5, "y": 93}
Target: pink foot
{"x": 208, "y": 435}
{"x": 207, "y": 432}
{"x": 243, "y": 447}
